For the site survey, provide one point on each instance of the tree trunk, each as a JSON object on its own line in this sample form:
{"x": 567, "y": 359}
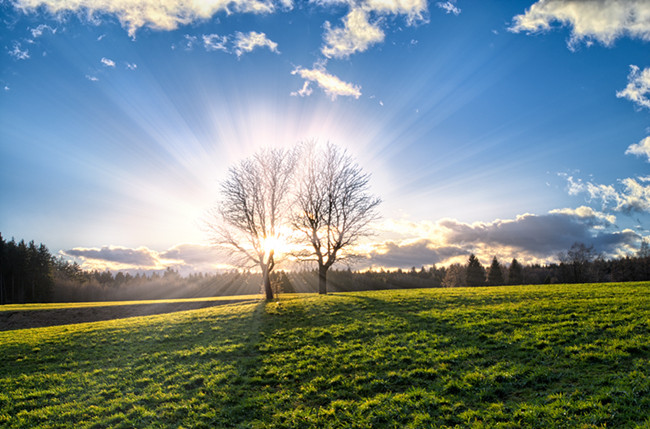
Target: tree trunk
{"x": 267, "y": 284}
{"x": 322, "y": 279}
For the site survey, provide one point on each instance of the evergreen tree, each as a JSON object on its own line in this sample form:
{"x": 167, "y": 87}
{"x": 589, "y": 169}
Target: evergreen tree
{"x": 475, "y": 272}
{"x": 515, "y": 273}
{"x": 495, "y": 275}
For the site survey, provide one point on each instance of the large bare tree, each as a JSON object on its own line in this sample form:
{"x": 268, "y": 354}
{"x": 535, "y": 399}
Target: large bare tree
{"x": 255, "y": 204}
{"x": 333, "y": 206}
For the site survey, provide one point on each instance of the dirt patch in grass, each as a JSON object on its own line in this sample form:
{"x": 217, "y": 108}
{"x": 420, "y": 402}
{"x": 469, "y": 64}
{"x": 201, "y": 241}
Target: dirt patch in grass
{"x": 23, "y": 319}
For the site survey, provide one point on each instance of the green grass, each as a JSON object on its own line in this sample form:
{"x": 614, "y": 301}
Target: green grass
{"x": 59, "y": 305}
{"x": 530, "y": 356}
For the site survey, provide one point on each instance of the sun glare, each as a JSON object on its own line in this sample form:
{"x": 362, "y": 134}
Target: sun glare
{"x": 277, "y": 245}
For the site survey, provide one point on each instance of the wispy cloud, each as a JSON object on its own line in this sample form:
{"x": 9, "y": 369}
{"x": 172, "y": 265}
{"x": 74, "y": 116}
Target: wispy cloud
{"x": 131, "y": 66}
{"x": 246, "y": 42}
{"x": 449, "y": 7}
{"x": 305, "y": 91}
{"x": 641, "y": 148}
{"x": 18, "y": 53}
{"x": 415, "y": 10}
{"x": 38, "y": 31}
{"x": 600, "y": 20}
{"x": 638, "y": 87}
{"x": 214, "y": 42}
{"x": 356, "y": 35}
{"x": 108, "y": 62}
{"x": 92, "y": 78}
{"x": 628, "y": 196}
{"x": 160, "y": 14}
{"x": 332, "y": 85}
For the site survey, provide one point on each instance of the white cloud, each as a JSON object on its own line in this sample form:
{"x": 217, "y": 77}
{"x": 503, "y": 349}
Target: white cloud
{"x": 638, "y": 87}
{"x": 414, "y": 10}
{"x": 108, "y": 62}
{"x": 92, "y": 78}
{"x": 305, "y": 91}
{"x": 449, "y": 7}
{"x": 600, "y": 20}
{"x": 641, "y": 148}
{"x": 190, "y": 41}
{"x": 131, "y": 66}
{"x": 100, "y": 37}
{"x": 18, "y": 53}
{"x": 38, "y": 31}
{"x": 6, "y": 88}
{"x": 632, "y": 196}
{"x": 214, "y": 42}
{"x": 332, "y": 85}
{"x": 587, "y": 213}
{"x": 246, "y": 42}
{"x": 157, "y": 14}
{"x": 356, "y": 35}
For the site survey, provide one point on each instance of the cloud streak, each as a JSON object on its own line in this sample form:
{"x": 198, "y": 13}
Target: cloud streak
{"x": 330, "y": 84}
{"x": 641, "y": 148}
{"x": 600, "y": 20}
{"x": 108, "y": 62}
{"x": 247, "y": 42}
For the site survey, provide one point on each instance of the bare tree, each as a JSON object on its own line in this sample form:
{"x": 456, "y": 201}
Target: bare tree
{"x": 333, "y": 206}
{"x": 255, "y": 204}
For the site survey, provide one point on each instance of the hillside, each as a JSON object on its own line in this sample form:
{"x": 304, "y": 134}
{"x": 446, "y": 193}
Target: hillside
{"x": 532, "y": 356}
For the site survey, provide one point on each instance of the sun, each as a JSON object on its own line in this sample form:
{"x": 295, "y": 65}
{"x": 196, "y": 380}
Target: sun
{"x": 277, "y": 244}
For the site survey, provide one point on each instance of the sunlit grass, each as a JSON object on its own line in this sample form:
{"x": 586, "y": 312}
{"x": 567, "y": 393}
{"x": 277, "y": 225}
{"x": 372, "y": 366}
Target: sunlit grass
{"x": 57, "y": 305}
{"x": 533, "y": 356}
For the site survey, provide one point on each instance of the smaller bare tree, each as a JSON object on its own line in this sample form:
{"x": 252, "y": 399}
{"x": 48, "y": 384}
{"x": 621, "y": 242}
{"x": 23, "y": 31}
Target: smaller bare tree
{"x": 255, "y": 203}
{"x": 333, "y": 206}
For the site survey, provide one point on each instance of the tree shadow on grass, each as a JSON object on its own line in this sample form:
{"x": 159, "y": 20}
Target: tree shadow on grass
{"x": 458, "y": 359}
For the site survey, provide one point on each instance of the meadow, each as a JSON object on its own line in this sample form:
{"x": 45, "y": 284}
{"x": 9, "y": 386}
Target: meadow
{"x": 522, "y": 356}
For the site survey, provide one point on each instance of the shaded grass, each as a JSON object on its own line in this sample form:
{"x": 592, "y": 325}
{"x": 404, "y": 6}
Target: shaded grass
{"x": 533, "y": 356}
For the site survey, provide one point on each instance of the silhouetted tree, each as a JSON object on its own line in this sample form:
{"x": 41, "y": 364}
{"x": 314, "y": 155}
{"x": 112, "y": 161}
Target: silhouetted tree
{"x": 475, "y": 272}
{"x": 515, "y": 273}
{"x": 576, "y": 263}
{"x": 455, "y": 276}
{"x": 334, "y": 207}
{"x": 495, "y": 274}
{"x": 254, "y": 206}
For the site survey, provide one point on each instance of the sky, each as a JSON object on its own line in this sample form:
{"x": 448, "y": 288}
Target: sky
{"x": 508, "y": 129}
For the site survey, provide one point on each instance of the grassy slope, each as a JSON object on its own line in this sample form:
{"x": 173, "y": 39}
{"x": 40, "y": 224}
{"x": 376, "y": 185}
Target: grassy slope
{"x": 551, "y": 356}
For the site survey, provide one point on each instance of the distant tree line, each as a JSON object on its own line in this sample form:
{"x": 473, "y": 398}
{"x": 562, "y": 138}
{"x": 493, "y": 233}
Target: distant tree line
{"x": 30, "y": 273}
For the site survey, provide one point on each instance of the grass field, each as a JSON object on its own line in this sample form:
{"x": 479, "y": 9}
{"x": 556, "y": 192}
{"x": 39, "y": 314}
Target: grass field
{"x": 60, "y": 305}
{"x": 530, "y": 356}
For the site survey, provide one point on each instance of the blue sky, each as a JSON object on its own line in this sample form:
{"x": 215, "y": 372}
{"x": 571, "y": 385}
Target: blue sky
{"x": 499, "y": 128}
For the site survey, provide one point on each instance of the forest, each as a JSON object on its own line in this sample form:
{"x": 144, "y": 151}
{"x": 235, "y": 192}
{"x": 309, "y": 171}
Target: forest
{"x": 30, "y": 273}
